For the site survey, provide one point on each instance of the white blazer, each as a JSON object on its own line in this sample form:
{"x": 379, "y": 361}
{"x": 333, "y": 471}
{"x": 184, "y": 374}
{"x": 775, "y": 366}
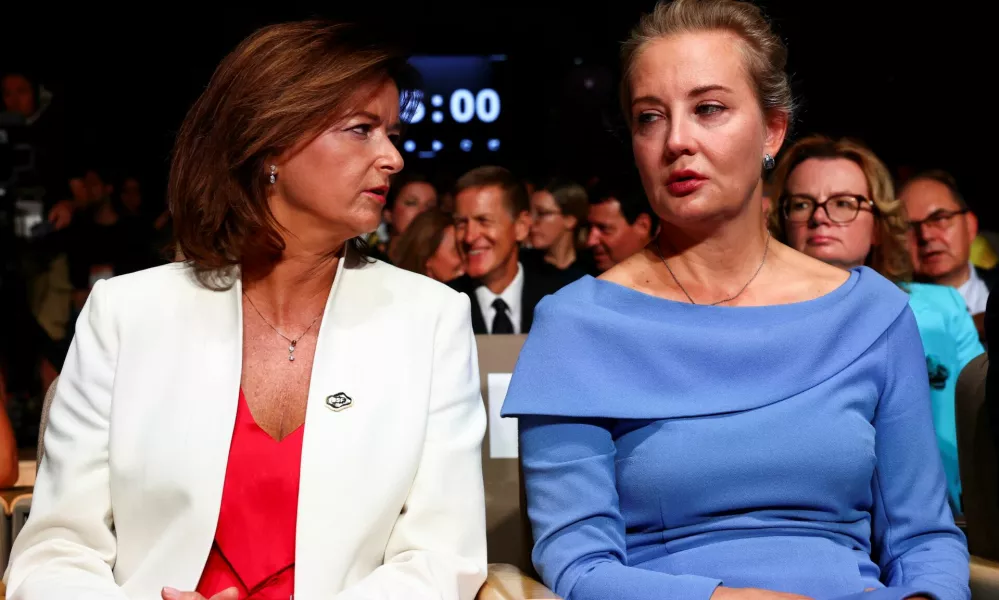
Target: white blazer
{"x": 391, "y": 501}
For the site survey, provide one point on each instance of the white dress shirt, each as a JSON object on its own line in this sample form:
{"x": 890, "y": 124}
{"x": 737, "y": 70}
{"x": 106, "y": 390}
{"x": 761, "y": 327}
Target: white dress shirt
{"x": 512, "y": 295}
{"x": 974, "y": 292}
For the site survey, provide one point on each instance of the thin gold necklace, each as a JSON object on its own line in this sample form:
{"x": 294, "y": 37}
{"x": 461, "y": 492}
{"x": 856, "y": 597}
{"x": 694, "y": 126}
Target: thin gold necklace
{"x": 766, "y": 248}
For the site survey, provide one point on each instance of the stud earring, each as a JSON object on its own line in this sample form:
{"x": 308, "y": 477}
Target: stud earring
{"x": 768, "y": 162}
{"x": 274, "y": 174}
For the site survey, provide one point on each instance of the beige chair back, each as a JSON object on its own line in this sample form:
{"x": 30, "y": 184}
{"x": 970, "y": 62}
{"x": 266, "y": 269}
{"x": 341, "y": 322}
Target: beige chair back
{"x": 977, "y": 459}
{"x": 508, "y": 532}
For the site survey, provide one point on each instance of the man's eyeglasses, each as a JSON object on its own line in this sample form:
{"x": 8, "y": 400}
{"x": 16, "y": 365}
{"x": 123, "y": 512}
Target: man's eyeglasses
{"x": 799, "y": 208}
{"x": 938, "y": 220}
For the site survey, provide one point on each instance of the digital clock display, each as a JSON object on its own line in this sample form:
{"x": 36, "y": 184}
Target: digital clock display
{"x": 461, "y": 113}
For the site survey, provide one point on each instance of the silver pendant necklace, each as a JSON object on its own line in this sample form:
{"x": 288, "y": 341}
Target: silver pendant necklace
{"x": 292, "y": 342}
{"x": 766, "y": 248}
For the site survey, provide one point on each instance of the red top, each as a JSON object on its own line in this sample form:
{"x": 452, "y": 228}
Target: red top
{"x": 254, "y": 547}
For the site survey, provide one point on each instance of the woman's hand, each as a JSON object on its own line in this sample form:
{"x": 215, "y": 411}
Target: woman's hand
{"x": 172, "y": 594}
{"x": 727, "y": 593}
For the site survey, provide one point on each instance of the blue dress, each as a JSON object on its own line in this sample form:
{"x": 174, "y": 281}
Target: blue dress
{"x": 669, "y": 448}
{"x": 950, "y": 341}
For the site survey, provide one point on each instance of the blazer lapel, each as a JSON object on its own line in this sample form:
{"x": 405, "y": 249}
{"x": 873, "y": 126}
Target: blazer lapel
{"x": 341, "y": 414}
{"x": 532, "y": 294}
{"x": 199, "y": 407}
{"x": 478, "y": 323}
{"x": 467, "y": 285}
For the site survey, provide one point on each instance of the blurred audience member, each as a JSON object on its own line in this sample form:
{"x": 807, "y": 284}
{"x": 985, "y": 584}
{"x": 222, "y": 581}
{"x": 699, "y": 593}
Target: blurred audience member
{"x": 558, "y": 225}
{"x": 492, "y": 220}
{"x": 8, "y": 441}
{"x": 130, "y": 196}
{"x": 107, "y": 237}
{"x": 22, "y": 94}
{"x": 409, "y": 195}
{"x": 942, "y": 229}
{"x": 838, "y": 205}
{"x": 429, "y": 247}
{"x": 621, "y": 224}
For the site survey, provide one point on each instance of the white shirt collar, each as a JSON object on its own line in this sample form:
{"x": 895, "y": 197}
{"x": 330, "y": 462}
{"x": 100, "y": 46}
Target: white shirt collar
{"x": 974, "y": 292}
{"x": 512, "y": 295}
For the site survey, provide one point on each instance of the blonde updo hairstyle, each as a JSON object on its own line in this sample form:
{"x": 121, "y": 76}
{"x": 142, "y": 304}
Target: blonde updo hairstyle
{"x": 764, "y": 53}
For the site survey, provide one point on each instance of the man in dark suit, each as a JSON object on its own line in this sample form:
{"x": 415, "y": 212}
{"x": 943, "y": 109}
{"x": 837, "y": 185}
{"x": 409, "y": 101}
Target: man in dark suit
{"x": 492, "y": 218}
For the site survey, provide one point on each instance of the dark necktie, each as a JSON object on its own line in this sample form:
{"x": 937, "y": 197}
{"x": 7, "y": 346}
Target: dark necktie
{"x": 501, "y": 322}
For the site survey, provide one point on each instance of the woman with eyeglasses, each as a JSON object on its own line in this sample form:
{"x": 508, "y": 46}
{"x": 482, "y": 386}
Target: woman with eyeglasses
{"x": 558, "y": 225}
{"x": 837, "y": 204}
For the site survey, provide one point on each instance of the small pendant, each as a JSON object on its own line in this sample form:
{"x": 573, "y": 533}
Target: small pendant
{"x": 291, "y": 352}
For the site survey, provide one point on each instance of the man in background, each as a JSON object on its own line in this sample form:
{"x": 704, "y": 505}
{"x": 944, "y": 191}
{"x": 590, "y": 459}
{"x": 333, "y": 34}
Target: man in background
{"x": 943, "y": 229}
{"x": 492, "y": 219}
{"x": 621, "y": 223}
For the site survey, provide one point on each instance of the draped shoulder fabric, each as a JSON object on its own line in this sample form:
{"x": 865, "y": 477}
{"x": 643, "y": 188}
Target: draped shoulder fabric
{"x": 669, "y": 448}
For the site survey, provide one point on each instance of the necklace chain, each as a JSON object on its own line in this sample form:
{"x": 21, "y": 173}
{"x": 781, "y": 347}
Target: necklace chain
{"x": 292, "y": 342}
{"x": 766, "y": 249}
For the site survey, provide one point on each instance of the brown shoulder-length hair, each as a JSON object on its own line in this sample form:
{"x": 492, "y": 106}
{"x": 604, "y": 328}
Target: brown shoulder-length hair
{"x": 890, "y": 256}
{"x": 420, "y": 240}
{"x": 281, "y": 87}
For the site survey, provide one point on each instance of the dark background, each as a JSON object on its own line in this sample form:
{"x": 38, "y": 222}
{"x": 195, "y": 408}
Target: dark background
{"x": 912, "y": 84}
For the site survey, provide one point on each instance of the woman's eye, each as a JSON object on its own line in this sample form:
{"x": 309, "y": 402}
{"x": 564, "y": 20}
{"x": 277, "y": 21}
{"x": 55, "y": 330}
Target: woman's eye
{"x": 709, "y": 109}
{"x": 363, "y": 129}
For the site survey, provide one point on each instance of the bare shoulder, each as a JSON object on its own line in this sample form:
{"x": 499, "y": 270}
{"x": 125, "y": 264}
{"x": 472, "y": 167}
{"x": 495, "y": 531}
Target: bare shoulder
{"x": 633, "y": 272}
{"x": 802, "y": 277}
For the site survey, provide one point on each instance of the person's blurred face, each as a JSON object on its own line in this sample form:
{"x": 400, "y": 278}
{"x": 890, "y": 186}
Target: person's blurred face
{"x": 488, "y": 233}
{"x": 89, "y": 189}
{"x": 446, "y": 263}
{"x": 548, "y": 224}
{"x": 413, "y": 199}
{"x": 19, "y": 95}
{"x": 941, "y": 245}
{"x": 336, "y": 184}
{"x": 612, "y": 239}
{"x": 834, "y": 184}
{"x": 698, "y": 133}
{"x": 131, "y": 195}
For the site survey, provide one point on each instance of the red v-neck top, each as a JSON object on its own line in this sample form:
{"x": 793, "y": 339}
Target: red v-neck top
{"x": 254, "y": 548}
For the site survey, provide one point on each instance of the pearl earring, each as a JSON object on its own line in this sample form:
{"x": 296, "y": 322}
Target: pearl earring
{"x": 273, "y": 174}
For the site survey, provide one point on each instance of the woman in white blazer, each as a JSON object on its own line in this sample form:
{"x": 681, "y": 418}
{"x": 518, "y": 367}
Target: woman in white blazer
{"x": 249, "y": 392}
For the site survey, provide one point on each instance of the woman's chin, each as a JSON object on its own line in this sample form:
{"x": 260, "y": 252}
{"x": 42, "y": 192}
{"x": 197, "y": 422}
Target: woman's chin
{"x": 539, "y": 244}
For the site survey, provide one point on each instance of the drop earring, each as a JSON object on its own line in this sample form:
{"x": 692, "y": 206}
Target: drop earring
{"x": 768, "y": 162}
{"x": 274, "y": 174}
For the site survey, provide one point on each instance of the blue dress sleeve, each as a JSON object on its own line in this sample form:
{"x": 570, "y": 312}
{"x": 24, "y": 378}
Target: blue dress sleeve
{"x": 962, "y": 327}
{"x": 915, "y": 540}
{"x": 573, "y": 506}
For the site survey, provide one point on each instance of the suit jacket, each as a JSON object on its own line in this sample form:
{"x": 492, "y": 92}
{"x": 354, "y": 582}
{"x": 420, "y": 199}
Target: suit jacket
{"x": 539, "y": 281}
{"x": 988, "y": 276}
{"x": 391, "y": 501}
